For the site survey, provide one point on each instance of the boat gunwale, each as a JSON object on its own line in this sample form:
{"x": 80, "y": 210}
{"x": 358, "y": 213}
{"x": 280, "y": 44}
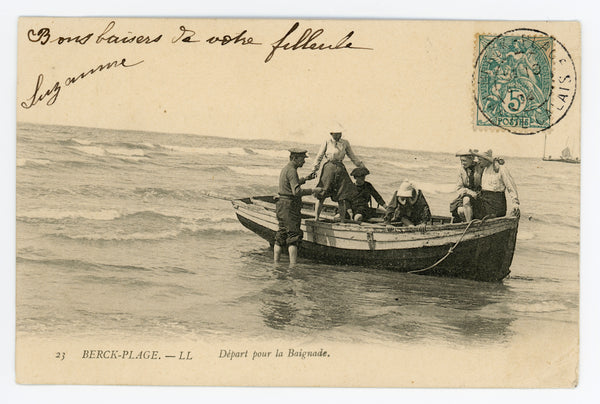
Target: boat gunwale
{"x": 377, "y": 228}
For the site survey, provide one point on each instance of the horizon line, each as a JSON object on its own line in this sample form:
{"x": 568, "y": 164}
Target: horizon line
{"x": 250, "y": 139}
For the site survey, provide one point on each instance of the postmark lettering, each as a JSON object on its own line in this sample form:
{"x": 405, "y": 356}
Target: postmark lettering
{"x": 518, "y": 80}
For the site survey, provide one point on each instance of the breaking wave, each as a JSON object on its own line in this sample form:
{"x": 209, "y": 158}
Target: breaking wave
{"x": 80, "y": 142}
{"x": 57, "y": 214}
{"x": 539, "y": 307}
{"x": 125, "y": 151}
{"x": 238, "y": 151}
{"x": 409, "y": 165}
{"x": 32, "y": 162}
{"x": 131, "y": 150}
{"x": 272, "y": 153}
{"x": 261, "y": 171}
{"x": 435, "y": 188}
{"x": 189, "y": 230}
{"x": 91, "y": 150}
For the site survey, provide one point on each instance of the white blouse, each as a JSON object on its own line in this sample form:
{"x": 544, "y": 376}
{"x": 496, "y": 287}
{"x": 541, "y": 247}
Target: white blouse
{"x": 336, "y": 151}
{"x": 499, "y": 182}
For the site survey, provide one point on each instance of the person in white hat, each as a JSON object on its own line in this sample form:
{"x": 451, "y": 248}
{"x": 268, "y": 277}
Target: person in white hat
{"x": 334, "y": 179}
{"x": 408, "y": 206}
{"x": 496, "y": 182}
{"x": 465, "y": 207}
{"x": 288, "y": 206}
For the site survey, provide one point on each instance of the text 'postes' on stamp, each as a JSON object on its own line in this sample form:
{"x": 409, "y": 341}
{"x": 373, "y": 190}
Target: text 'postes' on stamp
{"x": 524, "y": 81}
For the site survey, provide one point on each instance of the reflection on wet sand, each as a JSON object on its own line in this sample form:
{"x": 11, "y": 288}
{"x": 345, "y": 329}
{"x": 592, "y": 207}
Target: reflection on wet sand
{"x": 395, "y": 306}
{"x": 300, "y": 298}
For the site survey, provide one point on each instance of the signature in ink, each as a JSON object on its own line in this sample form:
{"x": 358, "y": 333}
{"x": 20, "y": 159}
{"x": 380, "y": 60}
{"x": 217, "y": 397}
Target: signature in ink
{"x": 51, "y": 94}
{"x": 308, "y": 41}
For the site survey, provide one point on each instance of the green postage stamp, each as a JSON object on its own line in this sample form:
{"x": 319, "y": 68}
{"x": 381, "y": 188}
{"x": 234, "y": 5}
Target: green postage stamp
{"x": 524, "y": 81}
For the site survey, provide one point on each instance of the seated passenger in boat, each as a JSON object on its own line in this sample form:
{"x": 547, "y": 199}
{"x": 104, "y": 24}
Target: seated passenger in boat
{"x": 408, "y": 207}
{"x": 361, "y": 203}
{"x": 496, "y": 181}
{"x": 465, "y": 206}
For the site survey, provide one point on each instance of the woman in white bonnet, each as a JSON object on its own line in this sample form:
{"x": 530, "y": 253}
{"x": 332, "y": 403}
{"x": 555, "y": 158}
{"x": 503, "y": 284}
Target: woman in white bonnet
{"x": 334, "y": 179}
{"x": 408, "y": 206}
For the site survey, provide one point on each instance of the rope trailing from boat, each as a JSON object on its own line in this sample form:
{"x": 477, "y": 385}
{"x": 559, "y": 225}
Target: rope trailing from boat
{"x": 451, "y": 250}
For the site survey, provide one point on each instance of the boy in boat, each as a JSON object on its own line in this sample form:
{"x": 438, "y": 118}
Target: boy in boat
{"x": 468, "y": 187}
{"x": 496, "y": 181}
{"x": 334, "y": 180}
{"x": 289, "y": 205}
{"x": 408, "y": 206}
{"x": 362, "y": 201}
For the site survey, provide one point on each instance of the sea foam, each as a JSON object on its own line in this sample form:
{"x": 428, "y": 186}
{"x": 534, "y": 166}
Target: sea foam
{"x": 238, "y": 151}
{"x": 46, "y": 213}
{"x": 32, "y": 162}
{"x": 261, "y": 171}
{"x": 92, "y": 150}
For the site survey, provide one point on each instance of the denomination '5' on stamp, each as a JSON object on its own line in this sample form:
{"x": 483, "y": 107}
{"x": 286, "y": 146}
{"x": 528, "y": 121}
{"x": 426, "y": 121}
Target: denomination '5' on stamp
{"x": 514, "y": 82}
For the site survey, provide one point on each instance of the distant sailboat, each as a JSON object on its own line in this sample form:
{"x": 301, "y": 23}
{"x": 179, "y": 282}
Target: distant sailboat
{"x": 565, "y": 156}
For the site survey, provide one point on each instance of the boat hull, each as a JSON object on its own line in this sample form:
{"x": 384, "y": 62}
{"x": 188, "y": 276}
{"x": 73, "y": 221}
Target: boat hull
{"x": 571, "y": 161}
{"x": 481, "y": 252}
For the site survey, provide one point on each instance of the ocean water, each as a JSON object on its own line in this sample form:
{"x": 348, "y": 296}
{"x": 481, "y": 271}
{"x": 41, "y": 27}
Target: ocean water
{"x": 123, "y": 233}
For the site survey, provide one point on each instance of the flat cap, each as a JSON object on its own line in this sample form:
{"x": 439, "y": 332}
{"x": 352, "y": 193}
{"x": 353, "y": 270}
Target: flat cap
{"x": 488, "y": 155}
{"x": 298, "y": 151}
{"x": 464, "y": 152}
{"x": 360, "y": 172}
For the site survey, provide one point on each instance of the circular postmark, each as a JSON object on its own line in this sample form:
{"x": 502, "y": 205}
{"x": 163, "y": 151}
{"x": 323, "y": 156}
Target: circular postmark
{"x": 524, "y": 81}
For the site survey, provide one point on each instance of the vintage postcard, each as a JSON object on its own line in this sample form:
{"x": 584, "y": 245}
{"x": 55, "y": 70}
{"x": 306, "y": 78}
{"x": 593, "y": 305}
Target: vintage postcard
{"x": 240, "y": 202}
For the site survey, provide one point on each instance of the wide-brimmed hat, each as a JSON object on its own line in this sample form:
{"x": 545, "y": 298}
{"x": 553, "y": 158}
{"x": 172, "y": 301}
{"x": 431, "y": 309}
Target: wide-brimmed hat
{"x": 488, "y": 155}
{"x": 336, "y": 128}
{"x": 296, "y": 151}
{"x": 360, "y": 172}
{"x": 406, "y": 190}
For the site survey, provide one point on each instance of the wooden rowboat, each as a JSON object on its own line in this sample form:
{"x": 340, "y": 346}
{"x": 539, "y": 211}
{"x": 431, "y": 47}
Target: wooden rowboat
{"x": 481, "y": 250}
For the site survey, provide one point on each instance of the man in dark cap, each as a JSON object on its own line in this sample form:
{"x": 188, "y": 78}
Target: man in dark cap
{"x": 466, "y": 206}
{"x": 289, "y": 205}
{"x": 362, "y": 201}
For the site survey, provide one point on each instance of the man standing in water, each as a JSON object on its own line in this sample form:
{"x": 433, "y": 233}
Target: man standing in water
{"x": 289, "y": 205}
{"x": 334, "y": 180}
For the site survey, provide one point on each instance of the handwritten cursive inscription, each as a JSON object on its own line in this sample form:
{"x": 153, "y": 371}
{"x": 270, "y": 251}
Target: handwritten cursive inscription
{"x": 308, "y": 41}
{"x": 186, "y": 35}
{"x": 44, "y": 36}
{"x": 294, "y": 39}
{"x": 240, "y": 38}
{"x": 138, "y": 39}
{"x": 51, "y": 95}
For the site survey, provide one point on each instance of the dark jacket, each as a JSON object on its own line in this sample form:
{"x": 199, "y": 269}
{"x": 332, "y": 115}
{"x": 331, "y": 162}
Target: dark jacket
{"x": 417, "y": 212}
{"x": 365, "y": 192}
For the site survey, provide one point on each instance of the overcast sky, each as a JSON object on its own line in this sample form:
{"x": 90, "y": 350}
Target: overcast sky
{"x": 411, "y": 90}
